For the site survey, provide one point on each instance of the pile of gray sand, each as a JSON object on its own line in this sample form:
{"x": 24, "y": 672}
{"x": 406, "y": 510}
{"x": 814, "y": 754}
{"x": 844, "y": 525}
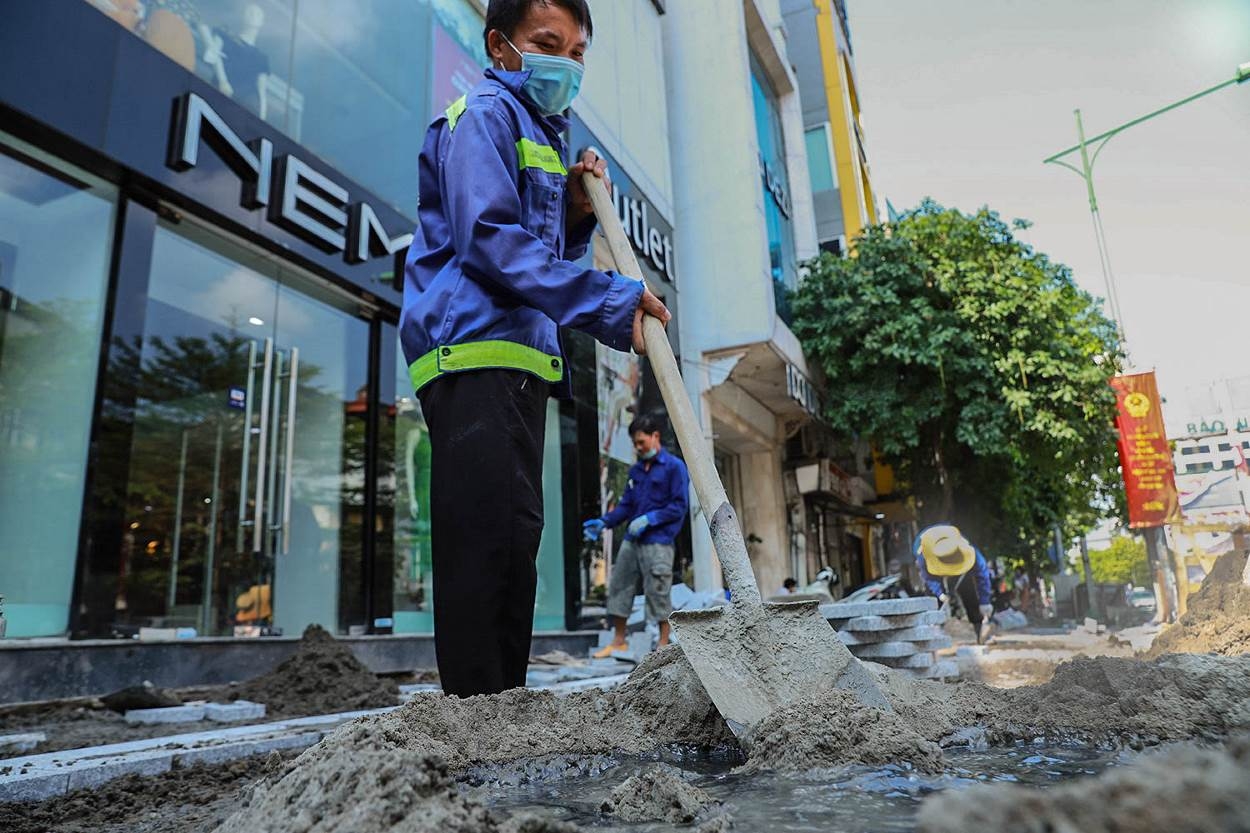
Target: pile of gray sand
{"x": 1095, "y": 699}
{"x": 1218, "y": 618}
{"x": 322, "y": 677}
{"x": 658, "y": 794}
{"x": 360, "y": 779}
{"x": 662, "y": 703}
{"x": 834, "y": 730}
{"x": 1185, "y": 789}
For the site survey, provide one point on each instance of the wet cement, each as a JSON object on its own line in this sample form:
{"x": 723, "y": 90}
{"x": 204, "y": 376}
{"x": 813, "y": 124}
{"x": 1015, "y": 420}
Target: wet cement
{"x": 658, "y": 794}
{"x": 834, "y": 730}
{"x": 1218, "y": 617}
{"x": 1180, "y": 790}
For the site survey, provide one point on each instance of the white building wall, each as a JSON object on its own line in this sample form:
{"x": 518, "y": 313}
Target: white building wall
{"x": 623, "y": 92}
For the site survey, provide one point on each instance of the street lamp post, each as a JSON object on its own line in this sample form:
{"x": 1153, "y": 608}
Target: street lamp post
{"x": 1086, "y": 172}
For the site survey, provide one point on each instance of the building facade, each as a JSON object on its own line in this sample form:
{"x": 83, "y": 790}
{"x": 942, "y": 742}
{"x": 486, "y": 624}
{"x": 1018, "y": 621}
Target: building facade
{"x": 205, "y": 418}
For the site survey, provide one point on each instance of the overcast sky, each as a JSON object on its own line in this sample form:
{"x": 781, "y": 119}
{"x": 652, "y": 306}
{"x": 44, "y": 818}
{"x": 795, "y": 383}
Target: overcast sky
{"x": 962, "y": 99}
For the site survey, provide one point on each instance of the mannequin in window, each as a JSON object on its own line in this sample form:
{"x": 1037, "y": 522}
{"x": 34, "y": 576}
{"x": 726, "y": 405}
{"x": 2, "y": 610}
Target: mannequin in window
{"x": 238, "y": 67}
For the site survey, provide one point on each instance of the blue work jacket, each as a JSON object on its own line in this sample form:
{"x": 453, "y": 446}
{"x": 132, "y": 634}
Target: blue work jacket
{"x": 488, "y": 279}
{"x": 660, "y": 489}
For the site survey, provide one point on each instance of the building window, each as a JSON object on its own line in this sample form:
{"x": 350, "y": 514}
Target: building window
{"x": 773, "y": 177}
{"x": 820, "y": 158}
{"x": 357, "y": 83}
{"x": 56, "y": 231}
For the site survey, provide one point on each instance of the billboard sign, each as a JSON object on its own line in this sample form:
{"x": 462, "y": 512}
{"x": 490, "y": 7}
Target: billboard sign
{"x": 1145, "y": 458}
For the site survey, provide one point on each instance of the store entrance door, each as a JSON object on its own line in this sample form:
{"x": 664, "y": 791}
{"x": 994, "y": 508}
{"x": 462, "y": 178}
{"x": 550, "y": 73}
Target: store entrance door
{"x": 246, "y": 487}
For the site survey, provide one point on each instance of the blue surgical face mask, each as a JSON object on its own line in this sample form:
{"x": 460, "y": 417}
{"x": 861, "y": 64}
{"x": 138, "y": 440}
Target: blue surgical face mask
{"x": 648, "y": 455}
{"x": 553, "y": 81}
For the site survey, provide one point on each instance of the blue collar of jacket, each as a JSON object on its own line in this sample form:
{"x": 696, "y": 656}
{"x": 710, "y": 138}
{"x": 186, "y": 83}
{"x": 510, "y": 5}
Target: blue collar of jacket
{"x": 514, "y": 82}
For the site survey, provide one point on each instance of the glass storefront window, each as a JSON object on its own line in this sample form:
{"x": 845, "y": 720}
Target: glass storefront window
{"x": 244, "y": 498}
{"x": 775, "y": 182}
{"x": 356, "y": 82}
{"x": 56, "y": 232}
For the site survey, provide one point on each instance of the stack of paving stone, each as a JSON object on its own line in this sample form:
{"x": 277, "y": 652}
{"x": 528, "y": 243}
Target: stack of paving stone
{"x": 900, "y": 633}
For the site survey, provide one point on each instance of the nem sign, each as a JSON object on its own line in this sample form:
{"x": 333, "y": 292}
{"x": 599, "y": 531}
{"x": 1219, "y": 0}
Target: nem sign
{"x": 297, "y": 197}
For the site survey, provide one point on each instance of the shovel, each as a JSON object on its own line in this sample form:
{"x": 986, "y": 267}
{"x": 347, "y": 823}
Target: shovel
{"x": 752, "y": 657}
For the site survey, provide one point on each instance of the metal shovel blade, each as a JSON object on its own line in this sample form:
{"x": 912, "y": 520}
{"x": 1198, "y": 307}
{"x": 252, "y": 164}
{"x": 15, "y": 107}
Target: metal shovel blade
{"x": 752, "y": 660}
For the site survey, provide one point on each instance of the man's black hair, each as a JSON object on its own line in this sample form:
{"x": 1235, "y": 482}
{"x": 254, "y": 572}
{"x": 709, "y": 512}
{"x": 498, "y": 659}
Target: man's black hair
{"x": 506, "y": 15}
{"x": 647, "y": 424}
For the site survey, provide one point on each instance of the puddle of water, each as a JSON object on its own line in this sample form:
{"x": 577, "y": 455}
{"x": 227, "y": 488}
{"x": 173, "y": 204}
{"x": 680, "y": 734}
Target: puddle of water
{"x": 847, "y": 800}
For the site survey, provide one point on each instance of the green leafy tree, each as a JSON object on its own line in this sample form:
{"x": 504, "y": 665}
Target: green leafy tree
{"x": 1122, "y": 562}
{"x": 976, "y": 367}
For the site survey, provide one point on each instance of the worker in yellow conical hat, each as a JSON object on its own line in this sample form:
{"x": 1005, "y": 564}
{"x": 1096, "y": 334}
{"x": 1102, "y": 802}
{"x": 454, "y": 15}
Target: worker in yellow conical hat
{"x": 951, "y": 566}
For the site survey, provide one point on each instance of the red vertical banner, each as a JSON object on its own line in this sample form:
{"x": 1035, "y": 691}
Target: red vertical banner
{"x": 1145, "y": 456}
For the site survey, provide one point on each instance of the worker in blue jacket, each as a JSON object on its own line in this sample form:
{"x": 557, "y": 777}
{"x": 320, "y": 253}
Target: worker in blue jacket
{"x": 654, "y": 505}
{"x": 488, "y": 282}
{"x": 950, "y": 566}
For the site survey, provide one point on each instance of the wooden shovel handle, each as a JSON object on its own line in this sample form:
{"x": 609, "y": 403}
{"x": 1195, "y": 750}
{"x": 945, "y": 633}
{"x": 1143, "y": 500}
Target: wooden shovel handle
{"x": 726, "y": 533}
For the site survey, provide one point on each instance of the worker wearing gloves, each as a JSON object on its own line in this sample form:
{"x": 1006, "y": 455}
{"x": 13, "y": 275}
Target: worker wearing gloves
{"x": 488, "y": 282}
{"x": 654, "y": 505}
{"x": 950, "y": 566}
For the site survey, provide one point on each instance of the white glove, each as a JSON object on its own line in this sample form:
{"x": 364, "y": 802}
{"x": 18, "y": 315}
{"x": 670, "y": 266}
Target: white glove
{"x": 987, "y": 611}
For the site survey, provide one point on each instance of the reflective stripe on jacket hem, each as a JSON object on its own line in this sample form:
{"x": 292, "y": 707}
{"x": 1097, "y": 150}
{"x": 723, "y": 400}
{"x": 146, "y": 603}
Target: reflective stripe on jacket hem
{"x": 478, "y": 355}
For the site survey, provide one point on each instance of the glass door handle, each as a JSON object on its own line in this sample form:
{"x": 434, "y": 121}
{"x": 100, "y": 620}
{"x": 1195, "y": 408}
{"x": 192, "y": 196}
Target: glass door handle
{"x": 247, "y": 445}
{"x": 262, "y": 446}
{"x": 293, "y": 389}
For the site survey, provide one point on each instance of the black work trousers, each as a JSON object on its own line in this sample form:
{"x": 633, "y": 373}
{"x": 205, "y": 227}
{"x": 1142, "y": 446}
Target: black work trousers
{"x": 965, "y": 587}
{"x": 486, "y": 515}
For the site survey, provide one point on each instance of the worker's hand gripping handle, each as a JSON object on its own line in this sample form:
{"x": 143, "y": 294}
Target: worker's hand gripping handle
{"x": 726, "y": 533}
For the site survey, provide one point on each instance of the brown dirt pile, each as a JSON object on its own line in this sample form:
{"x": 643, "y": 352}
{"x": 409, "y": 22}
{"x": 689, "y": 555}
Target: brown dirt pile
{"x": 1182, "y": 790}
{"x": 834, "y": 730}
{"x": 191, "y": 800}
{"x": 323, "y": 676}
{"x": 659, "y": 794}
{"x": 1218, "y": 619}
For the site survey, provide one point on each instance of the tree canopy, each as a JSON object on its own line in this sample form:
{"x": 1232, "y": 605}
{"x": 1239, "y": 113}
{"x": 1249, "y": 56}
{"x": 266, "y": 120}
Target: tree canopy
{"x": 1123, "y": 562}
{"x": 976, "y": 367}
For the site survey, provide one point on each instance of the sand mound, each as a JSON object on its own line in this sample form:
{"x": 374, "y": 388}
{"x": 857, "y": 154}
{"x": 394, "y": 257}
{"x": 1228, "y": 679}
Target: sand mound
{"x": 834, "y": 730}
{"x": 1182, "y": 790}
{"x": 659, "y": 794}
{"x": 662, "y": 703}
{"x": 1103, "y": 699}
{"x": 323, "y": 676}
{"x": 1218, "y": 619}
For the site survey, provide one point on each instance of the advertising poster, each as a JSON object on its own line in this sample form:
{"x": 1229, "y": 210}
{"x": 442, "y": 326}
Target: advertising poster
{"x": 455, "y": 71}
{"x": 1145, "y": 458}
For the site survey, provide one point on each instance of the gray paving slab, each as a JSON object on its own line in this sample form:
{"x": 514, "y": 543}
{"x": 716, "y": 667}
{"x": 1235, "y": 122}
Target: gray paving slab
{"x": 938, "y": 643}
{"x": 234, "y": 712}
{"x": 879, "y": 650}
{"x": 883, "y": 623}
{"x": 884, "y": 607}
{"x": 93, "y": 774}
{"x": 922, "y": 659}
{"x": 33, "y": 786}
{"x": 242, "y": 749}
{"x": 16, "y": 744}
{"x": 169, "y": 714}
{"x": 912, "y": 634}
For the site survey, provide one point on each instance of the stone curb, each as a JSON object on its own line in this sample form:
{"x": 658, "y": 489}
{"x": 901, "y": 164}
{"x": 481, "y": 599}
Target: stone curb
{"x": 922, "y": 661}
{"x": 52, "y": 774}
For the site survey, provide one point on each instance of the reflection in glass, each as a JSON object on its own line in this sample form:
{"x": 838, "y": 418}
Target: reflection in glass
{"x": 356, "y": 82}
{"x": 55, "y": 238}
{"x": 404, "y": 497}
{"x": 244, "y": 497}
